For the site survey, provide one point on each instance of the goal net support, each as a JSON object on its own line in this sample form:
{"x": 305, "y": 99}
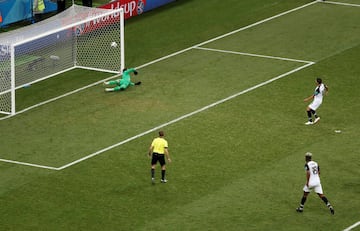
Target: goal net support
{"x": 79, "y": 37}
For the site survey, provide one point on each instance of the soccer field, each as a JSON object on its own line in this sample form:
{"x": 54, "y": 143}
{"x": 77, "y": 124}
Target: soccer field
{"x": 226, "y": 84}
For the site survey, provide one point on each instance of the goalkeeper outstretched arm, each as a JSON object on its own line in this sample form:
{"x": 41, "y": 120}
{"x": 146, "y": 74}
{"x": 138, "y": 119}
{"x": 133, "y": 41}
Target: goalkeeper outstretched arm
{"x": 124, "y": 82}
{"x": 128, "y": 71}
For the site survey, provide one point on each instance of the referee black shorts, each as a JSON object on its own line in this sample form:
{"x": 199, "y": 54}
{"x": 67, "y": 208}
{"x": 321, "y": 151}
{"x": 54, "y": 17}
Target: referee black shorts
{"x": 158, "y": 157}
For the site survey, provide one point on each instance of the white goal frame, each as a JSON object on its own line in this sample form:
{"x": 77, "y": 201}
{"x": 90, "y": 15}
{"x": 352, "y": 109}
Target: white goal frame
{"x": 95, "y": 18}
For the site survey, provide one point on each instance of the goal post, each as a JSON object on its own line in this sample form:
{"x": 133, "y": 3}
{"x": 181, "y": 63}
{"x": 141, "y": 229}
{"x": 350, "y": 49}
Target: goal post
{"x": 79, "y": 37}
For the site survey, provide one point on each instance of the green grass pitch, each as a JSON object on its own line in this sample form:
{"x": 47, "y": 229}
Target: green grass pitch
{"x": 233, "y": 113}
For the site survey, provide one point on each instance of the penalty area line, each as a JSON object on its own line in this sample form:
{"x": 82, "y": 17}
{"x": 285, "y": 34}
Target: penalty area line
{"x": 185, "y": 116}
{"x": 352, "y": 226}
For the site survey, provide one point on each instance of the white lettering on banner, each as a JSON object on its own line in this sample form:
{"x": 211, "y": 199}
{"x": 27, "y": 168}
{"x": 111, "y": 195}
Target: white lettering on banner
{"x": 129, "y": 7}
{"x": 4, "y": 50}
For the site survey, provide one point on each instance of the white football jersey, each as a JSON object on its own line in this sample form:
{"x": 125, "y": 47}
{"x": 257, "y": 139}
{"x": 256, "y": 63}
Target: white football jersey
{"x": 314, "y": 170}
{"x": 319, "y": 92}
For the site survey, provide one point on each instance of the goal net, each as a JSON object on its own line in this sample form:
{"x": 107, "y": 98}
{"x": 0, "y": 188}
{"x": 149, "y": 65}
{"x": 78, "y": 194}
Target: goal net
{"x": 79, "y": 37}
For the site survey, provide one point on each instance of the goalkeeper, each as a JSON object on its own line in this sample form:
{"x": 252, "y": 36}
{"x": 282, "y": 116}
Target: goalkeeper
{"x": 124, "y": 82}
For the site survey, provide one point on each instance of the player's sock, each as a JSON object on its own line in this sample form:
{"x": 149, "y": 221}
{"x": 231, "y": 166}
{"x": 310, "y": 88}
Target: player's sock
{"x": 314, "y": 113}
{"x": 163, "y": 174}
{"x": 309, "y": 115}
{"x": 152, "y": 173}
{"x": 326, "y": 201}
{"x": 303, "y": 200}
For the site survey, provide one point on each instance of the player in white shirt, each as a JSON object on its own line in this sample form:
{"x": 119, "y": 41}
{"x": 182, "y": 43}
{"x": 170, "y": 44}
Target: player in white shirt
{"x": 320, "y": 90}
{"x": 313, "y": 183}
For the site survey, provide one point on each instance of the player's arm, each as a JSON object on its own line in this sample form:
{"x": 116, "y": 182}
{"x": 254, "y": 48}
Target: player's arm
{"x": 307, "y": 177}
{"x": 309, "y": 98}
{"x": 167, "y": 154}
{"x": 326, "y": 89}
{"x": 151, "y": 148}
{"x": 307, "y": 174}
{"x": 131, "y": 70}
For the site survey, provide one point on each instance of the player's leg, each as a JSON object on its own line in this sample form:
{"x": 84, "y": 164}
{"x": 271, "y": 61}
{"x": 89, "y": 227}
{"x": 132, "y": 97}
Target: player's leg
{"x": 300, "y": 209}
{"x": 111, "y": 82}
{"x": 327, "y": 203}
{"x": 163, "y": 168}
{"x": 109, "y": 89}
{"x": 120, "y": 87}
{"x": 317, "y": 118}
{"x": 319, "y": 191}
{"x": 309, "y": 115}
{"x": 154, "y": 160}
{"x": 306, "y": 190}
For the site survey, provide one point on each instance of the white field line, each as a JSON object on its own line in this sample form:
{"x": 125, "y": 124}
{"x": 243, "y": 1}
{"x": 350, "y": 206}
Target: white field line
{"x": 28, "y": 164}
{"x": 353, "y": 226}
{"x": 161, "y": 59}
{"x": 175, "y": 120}
{"x": 254, "y": 55}
{"x": 341, "y": 3}
{"x": 187, "y": 115}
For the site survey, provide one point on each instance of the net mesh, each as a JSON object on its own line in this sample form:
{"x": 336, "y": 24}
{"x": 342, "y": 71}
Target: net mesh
{"x": 78, "y": 37}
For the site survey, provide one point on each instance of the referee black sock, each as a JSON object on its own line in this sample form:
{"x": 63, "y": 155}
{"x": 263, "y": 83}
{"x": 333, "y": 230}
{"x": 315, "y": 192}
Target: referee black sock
{"x": 152, "y": 173}
{"x": 163, "y": 174}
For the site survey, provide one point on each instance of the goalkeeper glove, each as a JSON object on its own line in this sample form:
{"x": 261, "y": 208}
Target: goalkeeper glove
{"x": 138, "y": 83}
{"x": 135, "y": 72}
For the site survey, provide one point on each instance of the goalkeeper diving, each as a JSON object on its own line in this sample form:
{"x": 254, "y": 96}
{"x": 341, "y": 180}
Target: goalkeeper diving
{"x": 124, "y": 82}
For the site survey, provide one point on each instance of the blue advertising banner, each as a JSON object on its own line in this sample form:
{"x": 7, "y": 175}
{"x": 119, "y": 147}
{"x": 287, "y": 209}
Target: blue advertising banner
{"x": 152, "y": 4}
{"x": 13, "y": 11}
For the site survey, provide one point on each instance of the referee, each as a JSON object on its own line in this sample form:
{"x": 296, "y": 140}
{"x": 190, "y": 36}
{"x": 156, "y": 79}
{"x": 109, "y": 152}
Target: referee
{"x": 158, "y": 150}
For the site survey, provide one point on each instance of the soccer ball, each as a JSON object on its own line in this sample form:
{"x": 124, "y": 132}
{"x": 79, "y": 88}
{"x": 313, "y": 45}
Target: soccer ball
{"x": 113, "y": 44}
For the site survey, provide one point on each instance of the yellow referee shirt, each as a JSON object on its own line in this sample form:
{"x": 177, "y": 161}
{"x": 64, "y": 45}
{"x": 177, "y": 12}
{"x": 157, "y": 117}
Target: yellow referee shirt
{"x": 159, "y": 145}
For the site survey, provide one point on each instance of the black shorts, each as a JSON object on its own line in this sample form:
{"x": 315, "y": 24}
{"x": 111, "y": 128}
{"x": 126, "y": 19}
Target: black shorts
{"x": 158, "y": 157}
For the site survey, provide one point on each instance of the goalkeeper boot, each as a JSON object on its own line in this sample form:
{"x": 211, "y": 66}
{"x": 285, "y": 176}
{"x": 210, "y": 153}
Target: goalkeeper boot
{"x": 109, "y": 89}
